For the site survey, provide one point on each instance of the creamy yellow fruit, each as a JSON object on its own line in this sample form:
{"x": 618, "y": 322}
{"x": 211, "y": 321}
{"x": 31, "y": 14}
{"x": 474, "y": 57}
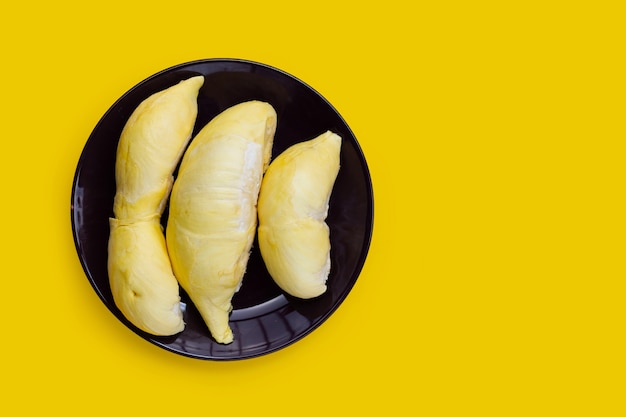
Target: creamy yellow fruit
{"x": 294, "y": 238}
{"x": 212, "y": 218}
{"x": 142, "y": 282}
{"x": 151, "y": 145}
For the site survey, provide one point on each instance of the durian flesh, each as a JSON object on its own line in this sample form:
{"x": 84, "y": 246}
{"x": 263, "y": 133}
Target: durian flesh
{"x": 142, "y": 282}
{"x": 213, "y": 217}
{"x": 294, "y": 238}
{"x": 151, "y": 144}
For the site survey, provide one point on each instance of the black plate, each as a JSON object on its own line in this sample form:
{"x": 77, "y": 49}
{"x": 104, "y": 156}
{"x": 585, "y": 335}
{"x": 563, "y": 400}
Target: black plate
{"x": 263, "y": 318}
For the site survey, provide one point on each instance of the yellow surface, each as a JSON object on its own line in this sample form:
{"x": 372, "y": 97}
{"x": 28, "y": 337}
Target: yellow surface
{"x": 495, "y": 136}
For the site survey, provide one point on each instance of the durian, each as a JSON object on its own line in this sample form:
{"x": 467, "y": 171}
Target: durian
{"x": 151, "y": 145}
{"x": 213, "y": 217}
{"x": 293, "y": 236}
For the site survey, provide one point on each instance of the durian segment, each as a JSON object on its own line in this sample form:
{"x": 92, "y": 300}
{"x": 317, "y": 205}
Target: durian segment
{"x": 151, "y": 145}
{"x": 293, "y": 205}
{"x": 212, "y": 216}
{"x": 141, "y": 277}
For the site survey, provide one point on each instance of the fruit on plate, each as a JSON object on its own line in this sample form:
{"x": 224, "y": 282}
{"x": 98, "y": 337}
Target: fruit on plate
{"x": 213, "y": 217}
{"x": 143, "y": 285}
{"x": 294, "y": 238}
{"x": 151, "y": 145}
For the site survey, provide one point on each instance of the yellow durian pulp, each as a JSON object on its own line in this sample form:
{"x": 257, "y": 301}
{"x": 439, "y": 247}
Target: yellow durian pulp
{"x": 142, "y": 282}
{"x": 212, "y": 216}
{"x": 151, "y": 144}
{"x": 294, "y": 238}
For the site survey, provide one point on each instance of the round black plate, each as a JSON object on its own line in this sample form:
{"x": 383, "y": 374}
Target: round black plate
{"x": 263, "y": 318}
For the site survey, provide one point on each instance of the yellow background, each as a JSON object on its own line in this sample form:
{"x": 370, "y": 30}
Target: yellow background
{"x": 494, "y": 132}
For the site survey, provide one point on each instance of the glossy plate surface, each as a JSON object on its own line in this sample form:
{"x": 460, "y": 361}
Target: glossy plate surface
{"x": 263, "y": 318}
